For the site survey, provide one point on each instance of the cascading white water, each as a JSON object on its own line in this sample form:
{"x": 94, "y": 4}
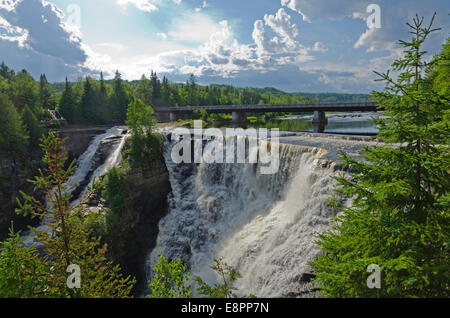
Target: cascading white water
{"x": 263, "y": 225}
{"x": 84, "y": 170}
{"x": 112, "y": 160}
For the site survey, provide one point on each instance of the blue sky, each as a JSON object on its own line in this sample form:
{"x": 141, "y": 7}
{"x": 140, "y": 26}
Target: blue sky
{"x": 294, "y": 45}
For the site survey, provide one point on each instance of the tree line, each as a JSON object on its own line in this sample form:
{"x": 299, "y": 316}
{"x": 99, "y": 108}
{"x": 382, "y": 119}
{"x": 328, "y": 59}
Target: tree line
{"x": 25, "y": 102}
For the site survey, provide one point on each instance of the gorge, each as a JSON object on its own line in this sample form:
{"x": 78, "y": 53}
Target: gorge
{"x": 265, "y": 226}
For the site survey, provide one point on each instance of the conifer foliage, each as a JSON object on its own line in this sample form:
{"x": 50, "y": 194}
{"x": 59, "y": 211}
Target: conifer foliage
{"x": 400, "y": 213}
{"x": 67, "y": 241}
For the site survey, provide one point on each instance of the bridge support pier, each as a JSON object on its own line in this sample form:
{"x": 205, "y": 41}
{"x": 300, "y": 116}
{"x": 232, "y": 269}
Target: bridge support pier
{"x": 319, "y": 121}
{"x": 173, "y": 117}
{"x": 238, "y": 117}
{"x": 162, "y": 117}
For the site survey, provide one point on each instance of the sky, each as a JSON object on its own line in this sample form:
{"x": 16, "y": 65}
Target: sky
{"x": 293, "y": 45}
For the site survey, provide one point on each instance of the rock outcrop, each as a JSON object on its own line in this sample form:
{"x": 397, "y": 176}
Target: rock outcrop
{"x": 135, "y": 237}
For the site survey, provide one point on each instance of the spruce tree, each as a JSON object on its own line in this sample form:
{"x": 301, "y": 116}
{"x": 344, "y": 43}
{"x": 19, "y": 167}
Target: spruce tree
{"x": 88, "y": 104}
{"x": 119, "y": 98}
{"x": 68, "y": 106}
{"x": 156, "y": 84}
{"x": 46, "y": 97}
{"x": 102, "y": 113}
{"x": 69, "y": 240}
{"x": 400, "y": 213}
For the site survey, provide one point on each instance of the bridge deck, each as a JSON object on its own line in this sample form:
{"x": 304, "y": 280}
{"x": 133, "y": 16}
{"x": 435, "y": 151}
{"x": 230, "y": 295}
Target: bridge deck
{"x": 330, "y": 107}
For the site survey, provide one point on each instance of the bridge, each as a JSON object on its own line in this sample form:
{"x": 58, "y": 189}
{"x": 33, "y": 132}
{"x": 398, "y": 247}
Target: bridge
{"x": 239, "y": 112}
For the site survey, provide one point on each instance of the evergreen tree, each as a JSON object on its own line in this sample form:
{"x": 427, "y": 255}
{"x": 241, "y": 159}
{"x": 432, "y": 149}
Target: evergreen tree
{"x": 165, "y": 91}
{"x": 6, "y": 72}
{"x": 102, "y": 114}
{"x": 13, "y": 135}
{"x": 68, "y": 105}
{"x": 68, "y": 242}
{"x": 88, "y": 103}
{"x": 191, "y": 87}
{"x": 25, "y": 91}
{"x": 119, "y": 98}
{"x": 156, "y": 84}
{"x": 46, "y": 96}
{"x": 144, "y": 91}
{"x": 23, "y": 273}
{"x": 399, "y": 218}
{"x": 102, "y": 85}
{"x": 34, "y": 128}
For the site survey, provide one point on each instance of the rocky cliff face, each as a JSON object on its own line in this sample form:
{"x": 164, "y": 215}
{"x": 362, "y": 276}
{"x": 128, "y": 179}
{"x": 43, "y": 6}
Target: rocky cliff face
{"x": 135, "y": 238}
{"x": 14, "y": 174}
{"x": 78, "y": 140}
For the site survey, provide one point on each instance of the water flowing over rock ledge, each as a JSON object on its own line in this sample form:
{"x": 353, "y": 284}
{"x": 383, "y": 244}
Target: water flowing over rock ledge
{"x": 263, "y": 225}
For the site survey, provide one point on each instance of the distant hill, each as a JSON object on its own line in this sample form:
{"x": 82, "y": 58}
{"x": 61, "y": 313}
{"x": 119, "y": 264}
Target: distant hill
{"x": 320, "y": 97}
{"x": 338, "y": 97}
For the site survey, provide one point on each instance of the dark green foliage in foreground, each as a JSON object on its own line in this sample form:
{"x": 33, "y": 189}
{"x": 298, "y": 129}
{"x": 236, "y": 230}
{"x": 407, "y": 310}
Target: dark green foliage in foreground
{"x": 22, "y": 271}
{"x": 400, "y": 213}
{"x": 68, "y": 241}
{"x": 224, "y": 290}
{"x": 170, "y": 280}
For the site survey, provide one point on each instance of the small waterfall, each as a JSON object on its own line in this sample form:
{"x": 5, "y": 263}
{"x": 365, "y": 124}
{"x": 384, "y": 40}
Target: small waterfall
{"x": 263, "y": 225}
{"x": 86, "y": 170}
{"x": 112, "y": 160}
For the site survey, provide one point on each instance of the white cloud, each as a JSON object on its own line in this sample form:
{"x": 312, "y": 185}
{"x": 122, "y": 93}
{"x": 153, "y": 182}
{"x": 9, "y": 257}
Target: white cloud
{"x": 143, "y": 5}
{"x": 7, "y": 5}
{"x": 284, "y": 40}
{"x": 37, "y": 25}
{"x": 319, "y": 47}
{"x": 281, "y": 24}
{"x": 177, "y": 1}
{"x": 263, "y": 41}
{"x": 394, "y": 15}
{"x": 320, "y": 9}
{"x": 194, "y": 27}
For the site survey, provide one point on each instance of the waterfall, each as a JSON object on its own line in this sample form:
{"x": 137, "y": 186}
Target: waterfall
{"x": 88, "y": 169}
{"x": 264, "y": 226}
{"x": 112, "y": 160}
